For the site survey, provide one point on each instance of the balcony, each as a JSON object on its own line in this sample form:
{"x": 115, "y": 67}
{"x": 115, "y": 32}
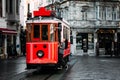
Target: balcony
{"x": 12, "y": 18}
{"x": 3, "y": 23}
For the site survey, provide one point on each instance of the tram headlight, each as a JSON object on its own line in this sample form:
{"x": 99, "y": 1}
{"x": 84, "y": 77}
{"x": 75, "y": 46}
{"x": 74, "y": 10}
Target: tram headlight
{"x": 40, "y": 53}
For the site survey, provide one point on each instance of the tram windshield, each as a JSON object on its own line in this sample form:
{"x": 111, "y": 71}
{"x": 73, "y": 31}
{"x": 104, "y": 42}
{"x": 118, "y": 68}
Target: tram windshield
{"x": 40, "y": 32}
{"x": 36, "y": 31}
{"x": 44, "y": 32}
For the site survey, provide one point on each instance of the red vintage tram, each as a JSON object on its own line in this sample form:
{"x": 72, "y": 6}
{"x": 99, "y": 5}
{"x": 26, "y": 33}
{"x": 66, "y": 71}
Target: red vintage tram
{"x": 44, "y": 33}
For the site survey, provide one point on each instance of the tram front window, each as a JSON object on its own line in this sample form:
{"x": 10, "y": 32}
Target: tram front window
{"x": 36, "y": 31}
{"x": 44, "y": 32}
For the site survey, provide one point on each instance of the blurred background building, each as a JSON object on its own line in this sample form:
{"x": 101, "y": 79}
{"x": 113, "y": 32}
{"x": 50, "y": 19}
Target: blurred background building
{"x": 91, "y": 21}
{"x": 9, "y": 20}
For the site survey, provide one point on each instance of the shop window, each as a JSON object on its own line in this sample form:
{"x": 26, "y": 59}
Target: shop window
{"x": 84, "y": 41}
{"x": 10, "y": 6}
{"x": 90, "y": 41}
{"x": 0, "y": 8}
{"x": 78, "y": 41}
{"x": 17, "y": 6}
{"x": 0, "y": 39}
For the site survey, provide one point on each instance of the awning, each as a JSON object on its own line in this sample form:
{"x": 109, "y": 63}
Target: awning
{"x": 7, "y": 31}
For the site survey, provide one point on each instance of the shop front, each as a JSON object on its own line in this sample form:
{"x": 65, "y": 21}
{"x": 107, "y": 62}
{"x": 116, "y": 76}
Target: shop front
{"x": 96, "y": 42}
{"x": 108, "y": 40}
{"x": 83, "y": 42}
{"x": 7, "y": 41}
{"x": 1, "y": 44}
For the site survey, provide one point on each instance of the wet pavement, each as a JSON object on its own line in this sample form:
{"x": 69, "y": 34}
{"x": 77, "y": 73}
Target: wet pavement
{"x": 80, "y": 68}
{"x": 94, "y": 68}
{"x": 15, "y": 69}
{"x": 11, "y": 67}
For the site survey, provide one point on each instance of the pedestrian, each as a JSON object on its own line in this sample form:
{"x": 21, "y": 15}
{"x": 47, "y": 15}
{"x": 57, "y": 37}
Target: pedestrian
{"x": 24, "y": 49}
{"x": 112, "y": 49}
{"x": 13, "y": 50}
{"x": 97, "y": 48}
{"x": 9, "y": 50}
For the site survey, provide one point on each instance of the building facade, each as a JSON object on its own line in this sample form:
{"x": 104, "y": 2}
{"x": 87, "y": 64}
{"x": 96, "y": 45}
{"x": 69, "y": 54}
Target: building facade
{"x": 33, "y": 5}
{"x": 26, "y": 8}
{"x": 9, "y": 20}
{"x": 92, "y": 23}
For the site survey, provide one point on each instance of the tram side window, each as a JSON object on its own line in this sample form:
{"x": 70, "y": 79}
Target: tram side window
{"x": 51, "y": 32}
{"x": 44, "y": 32}
{"x": 52, "y": 37}
{"x": 36, "y": 31}
{"x": 29, "y": 32}
{"x": 65, "y": 36}
{"x": 64, "y": 33}
{"x": 59, "y": 31}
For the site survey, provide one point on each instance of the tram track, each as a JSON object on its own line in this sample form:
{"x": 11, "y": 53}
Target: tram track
{"x": 48, "y": 76}
{"x": 44, "y": 74}
{"x": 37, "y": 75}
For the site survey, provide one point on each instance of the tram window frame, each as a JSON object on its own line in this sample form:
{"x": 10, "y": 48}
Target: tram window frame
{"x": 52, "y": 34}
{"x": 45, "y": 37}
{"x": 59, "y": 25}
{"x": 56, "y": 31}
{"x": 29, "y": 32}
{"x": 65, "y": 36}
{"x": 36, "y": 31}
{"x": 68, "y": 33}
{"x": 64, "y": 32}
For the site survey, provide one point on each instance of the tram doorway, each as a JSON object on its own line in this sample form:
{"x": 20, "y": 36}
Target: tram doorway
{"x": 106, "y": 41}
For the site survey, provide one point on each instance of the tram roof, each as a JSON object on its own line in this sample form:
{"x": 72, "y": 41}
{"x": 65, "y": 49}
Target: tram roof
{"x": 45, "y": 16}
{"x": 46, "y": 20}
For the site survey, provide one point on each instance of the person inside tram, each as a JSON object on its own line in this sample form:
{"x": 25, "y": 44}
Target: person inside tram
{"x": 61, "y": 48}
{"x": 66, "y": 43}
